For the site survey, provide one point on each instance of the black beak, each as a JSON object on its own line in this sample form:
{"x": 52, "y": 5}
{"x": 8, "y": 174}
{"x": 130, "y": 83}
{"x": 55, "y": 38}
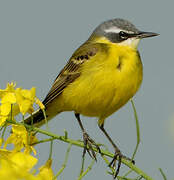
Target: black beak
{"x": 141, "y": 34}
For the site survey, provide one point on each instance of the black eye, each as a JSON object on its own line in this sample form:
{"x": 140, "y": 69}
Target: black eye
{"x": 123, "y": 35}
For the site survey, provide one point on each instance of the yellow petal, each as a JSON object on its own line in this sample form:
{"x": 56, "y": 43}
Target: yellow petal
{"x": 11, "y": 171}
{"x": 25, "y": 161}
{"x": 25, "y": 106}
{"x": 19, "y": 129}
{"x": 46, "y": 172}
{"x": 18, "y": 137}
{"x": 15, "y": 109}
{"x": 10, "y": 86}
{"x": 25, "y": 99}
{"x": 29, "y": 94}
{"x": 9, "y": 98}
{"x": 37, "y": 101}
{"x": 5, "y": 109}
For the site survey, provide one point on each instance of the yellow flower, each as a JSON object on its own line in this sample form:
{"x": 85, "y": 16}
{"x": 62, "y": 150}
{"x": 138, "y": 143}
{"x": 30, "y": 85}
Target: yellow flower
{"x": 5, "y": 110}
{"x": 17, "y": 100}
{"x": 8, "y": 103}
{"x": 19, "y": 165}
{"x": 21, "y": 139}
{"x": 25, "y": 99}
{"x": 23, "y": 160}
{"x": 46, "y": 172}
{"x": 15, "y": 166}
{"x": 7, "y": 99}
{"x": 9, "y": 89}
{"x": 18, "y": 137}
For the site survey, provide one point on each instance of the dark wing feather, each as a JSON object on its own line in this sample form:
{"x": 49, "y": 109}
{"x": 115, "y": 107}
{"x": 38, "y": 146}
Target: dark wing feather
{"x": 71, "y": 71}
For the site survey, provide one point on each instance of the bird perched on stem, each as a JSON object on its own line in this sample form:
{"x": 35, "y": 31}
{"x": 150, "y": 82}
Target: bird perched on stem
{"x": 100, "y": 77}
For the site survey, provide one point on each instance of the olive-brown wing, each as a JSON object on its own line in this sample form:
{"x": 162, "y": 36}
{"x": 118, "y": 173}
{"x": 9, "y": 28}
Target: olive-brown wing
{"x": 72, "y": 70}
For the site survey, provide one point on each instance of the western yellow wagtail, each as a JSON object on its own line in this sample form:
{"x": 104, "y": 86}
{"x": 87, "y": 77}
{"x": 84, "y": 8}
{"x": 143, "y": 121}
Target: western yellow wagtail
{"x": 100, "y": 77}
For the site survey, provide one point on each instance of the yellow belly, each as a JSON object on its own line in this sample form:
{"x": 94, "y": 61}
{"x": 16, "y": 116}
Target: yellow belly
{"x": 106, "y": 83}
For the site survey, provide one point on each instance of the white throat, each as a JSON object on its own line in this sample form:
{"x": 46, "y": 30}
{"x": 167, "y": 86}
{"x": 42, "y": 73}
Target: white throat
{"x": 132, "y": 42}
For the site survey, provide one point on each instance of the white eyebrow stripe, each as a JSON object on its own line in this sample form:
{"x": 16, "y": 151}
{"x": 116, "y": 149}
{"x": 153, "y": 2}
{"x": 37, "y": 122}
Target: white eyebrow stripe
{"x": 112, "y": 29}
{"x": 115, "y": 30}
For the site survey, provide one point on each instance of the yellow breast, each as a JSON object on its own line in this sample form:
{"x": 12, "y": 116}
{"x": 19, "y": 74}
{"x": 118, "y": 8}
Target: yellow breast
{"x": 106, "y": 83}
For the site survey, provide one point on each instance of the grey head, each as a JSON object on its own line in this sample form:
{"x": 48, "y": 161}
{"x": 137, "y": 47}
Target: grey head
{"x": 118, "y": 30}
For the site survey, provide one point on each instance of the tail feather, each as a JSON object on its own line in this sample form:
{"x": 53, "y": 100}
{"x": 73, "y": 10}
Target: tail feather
{"x": 37, "y": 118}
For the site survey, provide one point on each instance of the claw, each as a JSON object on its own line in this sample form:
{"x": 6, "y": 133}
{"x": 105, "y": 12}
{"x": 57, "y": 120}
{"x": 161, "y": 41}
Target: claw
{"x": 118, "y": 155}
{"x": 89, "y": 143}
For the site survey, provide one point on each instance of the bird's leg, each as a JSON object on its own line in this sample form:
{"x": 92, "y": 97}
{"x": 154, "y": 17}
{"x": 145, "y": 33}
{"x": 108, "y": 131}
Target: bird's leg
{"x": 118, "y": 155}
{"x": 88, "y": 142}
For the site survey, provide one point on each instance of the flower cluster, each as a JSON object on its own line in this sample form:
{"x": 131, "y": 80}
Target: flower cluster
{"x": 15, "y": 101}
{"x": 18, "y": 162}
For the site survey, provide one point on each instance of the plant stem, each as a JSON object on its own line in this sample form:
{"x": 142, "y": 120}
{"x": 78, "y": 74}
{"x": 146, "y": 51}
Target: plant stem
{"x": 162, "y": 173}
{"x": 42, "y": 141}
{"x": 137, "y": 129}
{"x": 87, "y": 170}
{"x": 51, "y": 149}
{"x": 64, "y": 163}
{"x": 80, "y": 144}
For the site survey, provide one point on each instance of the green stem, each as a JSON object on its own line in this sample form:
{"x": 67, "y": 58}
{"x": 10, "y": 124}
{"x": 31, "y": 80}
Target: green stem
{"x": 23, "y": 119}
{"x": 107, "y": 162}
{"x": 82, "y": 166}
{"x": 162, "y": 173}
{"x": 87, "y": 170}
{"x": 45, "y": 117}
{"x": 65, "y": 162}
{"x": 127, "y": 173}
{"x": 42, "y": 141}
{"x": 51, "y": 149}
{"x": 139, "y": 178}
{"x": 80, "y": 144}
{"x": 124, "y": 178}
{"x": 137, "y": 129}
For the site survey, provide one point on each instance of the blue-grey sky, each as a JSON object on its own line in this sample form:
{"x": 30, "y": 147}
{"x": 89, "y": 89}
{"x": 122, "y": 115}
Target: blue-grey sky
{"x": 38, "y": 37}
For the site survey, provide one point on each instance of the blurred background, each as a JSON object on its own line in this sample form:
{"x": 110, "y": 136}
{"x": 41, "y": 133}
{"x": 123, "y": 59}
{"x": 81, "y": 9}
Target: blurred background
{"x": 38, "y": 37}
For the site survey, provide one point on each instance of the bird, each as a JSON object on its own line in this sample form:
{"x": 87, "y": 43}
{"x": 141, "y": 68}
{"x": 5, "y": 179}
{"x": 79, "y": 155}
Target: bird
{"x": 101, "y": 76}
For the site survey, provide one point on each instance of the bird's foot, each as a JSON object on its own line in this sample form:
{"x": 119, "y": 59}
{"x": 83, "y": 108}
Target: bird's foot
{"x": 88, "y": 146}
{"x": 118, "y": 156}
